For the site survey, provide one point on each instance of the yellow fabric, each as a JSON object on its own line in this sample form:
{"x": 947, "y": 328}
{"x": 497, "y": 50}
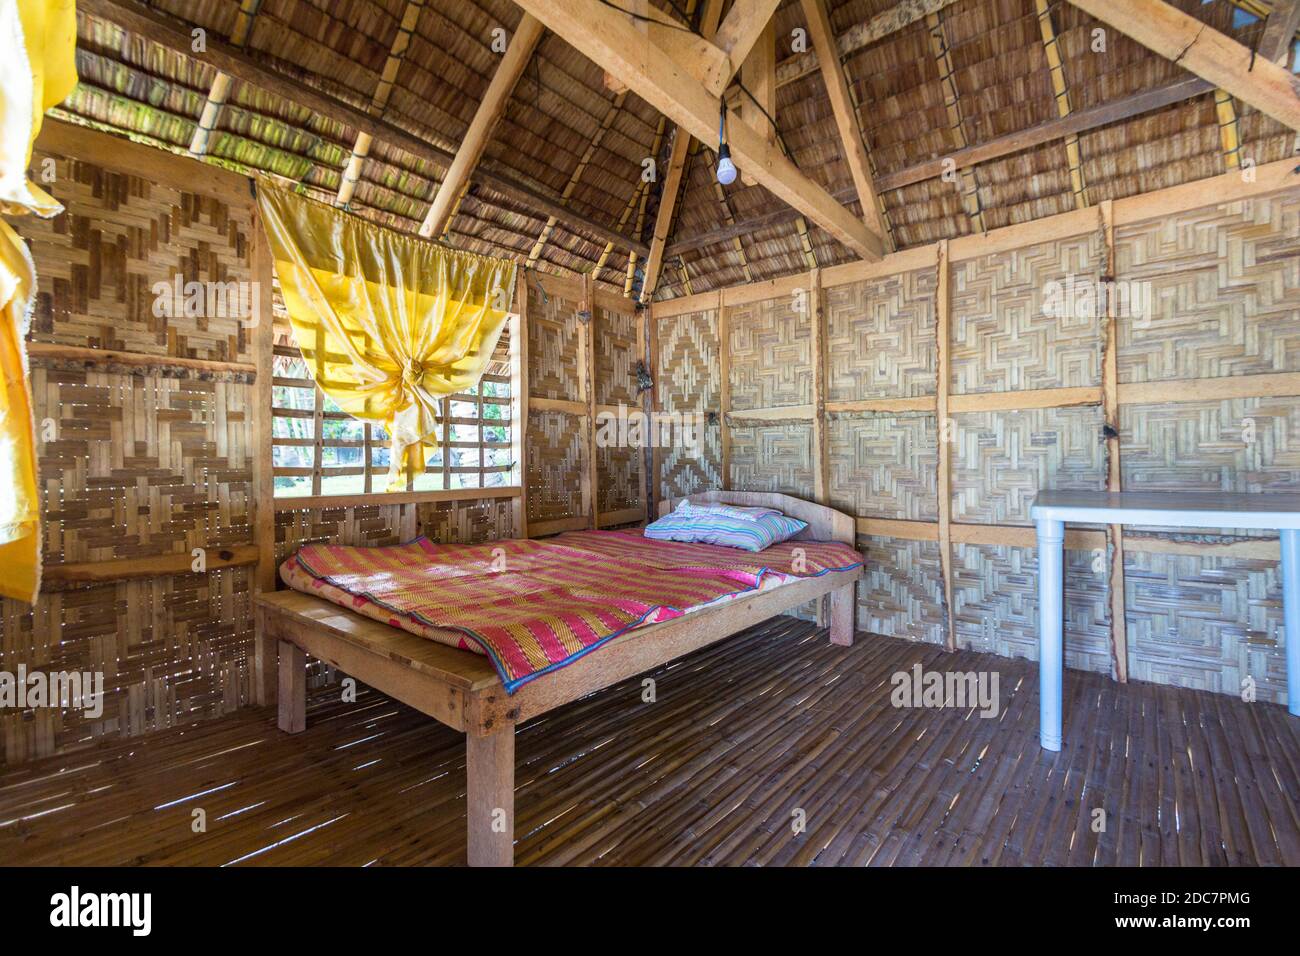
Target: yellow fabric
{"x": 38, "y": 44}
{"x": 387, "y": 323}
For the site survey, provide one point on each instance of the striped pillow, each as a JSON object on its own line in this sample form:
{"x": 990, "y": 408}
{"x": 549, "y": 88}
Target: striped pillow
{"x": 748, "y": 533}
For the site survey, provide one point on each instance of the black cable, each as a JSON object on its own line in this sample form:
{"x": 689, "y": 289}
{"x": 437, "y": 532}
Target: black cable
{"x": 641, "y": 16}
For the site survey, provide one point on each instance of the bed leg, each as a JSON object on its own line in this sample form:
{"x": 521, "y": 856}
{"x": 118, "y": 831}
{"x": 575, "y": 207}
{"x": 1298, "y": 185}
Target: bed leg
{"x": 842, "y": 614}
{"x": 264, "y": 663}
{"x": 490, "y": 797}
{"x": 293, "y": 688}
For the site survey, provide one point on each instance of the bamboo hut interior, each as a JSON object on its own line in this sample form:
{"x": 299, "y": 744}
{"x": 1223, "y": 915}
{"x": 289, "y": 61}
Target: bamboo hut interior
{"x": 975, "y": 253}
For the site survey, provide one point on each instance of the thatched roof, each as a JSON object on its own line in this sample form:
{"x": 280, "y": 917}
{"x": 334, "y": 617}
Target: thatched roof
{"x": 561, "y": 105}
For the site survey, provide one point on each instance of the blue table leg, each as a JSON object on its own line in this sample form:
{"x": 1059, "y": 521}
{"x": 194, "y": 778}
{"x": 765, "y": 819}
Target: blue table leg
{"x": 1291, "y": 616}
{"x": 1051, "y": 644}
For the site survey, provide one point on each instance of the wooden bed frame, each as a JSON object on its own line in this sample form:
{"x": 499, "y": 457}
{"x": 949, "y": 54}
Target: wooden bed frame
{"x": 462, "y": 690}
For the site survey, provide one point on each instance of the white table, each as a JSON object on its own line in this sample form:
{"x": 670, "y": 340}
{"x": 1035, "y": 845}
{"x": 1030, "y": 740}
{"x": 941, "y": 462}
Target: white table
{"x": 1050, "y": 511}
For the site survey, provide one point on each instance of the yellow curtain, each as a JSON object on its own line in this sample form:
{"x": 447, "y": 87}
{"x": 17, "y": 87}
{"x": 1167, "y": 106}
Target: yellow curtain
{"x": 38, "y": 42}
{"x": 387, "y": 323}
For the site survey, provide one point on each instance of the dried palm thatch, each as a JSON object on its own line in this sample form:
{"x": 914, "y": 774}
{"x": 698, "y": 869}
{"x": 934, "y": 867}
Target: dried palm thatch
{"x": 566, "y": 136}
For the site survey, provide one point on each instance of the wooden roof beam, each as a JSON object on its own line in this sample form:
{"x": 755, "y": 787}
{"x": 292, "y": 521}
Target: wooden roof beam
{"x": 1279, "y": 31}
{"x": 489, "y": 112}
{"x": 379, "y": 100}
{"x": 1209, "y": 54}
{"x": 667, "y": 207}
{"x": 745, "y": 23}
{"x": 220, "y": 89}
{"x": 658, "y": 74}
{"x": 758, "y": 75}
{"x": 846, "y": 114}
{"x": 174, "y": 34}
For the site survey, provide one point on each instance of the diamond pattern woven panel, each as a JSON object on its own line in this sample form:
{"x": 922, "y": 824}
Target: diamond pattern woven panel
{"x": 618, "y": 478}
{"x": 555, "y": 465}
{"x": 901, "y": 594}
{"x": 172, "y": 649}
{"x": 773, "y": 457}
{"x": 884, "y": 466}
{"x": 1224, "y": 288}
{"x": 1206, "y": 622}
{"x": 771, "y": 354}
{"x": 687, "y": 382}
{"x": 120, "y": 236}
{"x": 1002, "y": 459}
{"x": 617, "y": 352}
{"x": 997, "y": 604}
{"x": 553, "y": 334}
{"x": 1002, "y": 337}
{"x": 881, "y": 337}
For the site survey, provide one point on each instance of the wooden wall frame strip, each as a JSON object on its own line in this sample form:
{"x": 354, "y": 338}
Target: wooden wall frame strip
{"x": 381, "y": 499}
{"x": 519, "y": 403}
{"x": 58, "y": 577}
{"x": 1114, "y": 481}
{"x": 587, "y": 358}
{"x": 724, "y": 391}
{"x": 947, "y": 435}
{"x": 54, "y": 355}
{"x": 821, "y": 456}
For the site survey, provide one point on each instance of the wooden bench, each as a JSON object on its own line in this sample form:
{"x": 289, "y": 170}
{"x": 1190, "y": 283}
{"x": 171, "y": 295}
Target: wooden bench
{"x": 462, "y": 690}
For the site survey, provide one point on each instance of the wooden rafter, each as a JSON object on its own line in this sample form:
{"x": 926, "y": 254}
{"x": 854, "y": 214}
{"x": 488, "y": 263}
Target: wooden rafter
{"x": 758, "y": 105}
{"x": 846, "y": 116}
{"x": 658, "y": 75}
{"x": 745, "y": 23}
{"x": 1061, "y": 92}
{"x": 379, "y": 100}
{"x": 593, "y": 144}
{"x": 1279, "y": 31}
{"x": 630, "y": 279}
{"x": 489, "y": 112}
{"x": 1202, "y": 50}
{"x": 174, "y": 34}
{"x": 664, "y": 217}
{"x": 969, "y": 188}
{"x": 220, "y": 89}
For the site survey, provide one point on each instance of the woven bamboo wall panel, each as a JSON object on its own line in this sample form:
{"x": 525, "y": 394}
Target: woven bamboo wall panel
{"x": 996, "y": 590}
{"x": 1205, "y": 622}
{"x": 617, "y": 352}
{"x": 687, "y": 382}
{"x": 880, "y": 339}
{"x": 901, "y": 594}
{"x": 171, "y": 649}
{"x": 771, "y": 354}
{"x": 556, "y": 461}
{"x": 618, "y": 478}
{"x": 1250, "y": 444}
{"x": 1224, "y": 286}
{"x": 121, "y": 234}
{"x": 884, "y": 466}
{"x": 1002, "y": 459}
{"x": 773, "y": 457}
{"x": 1001, "y": 337}
{"x": 365, "y": 526}
{"x": 466, "y": 522}
{"x": 553, "y": 343}
{"x": 141, "y": 465}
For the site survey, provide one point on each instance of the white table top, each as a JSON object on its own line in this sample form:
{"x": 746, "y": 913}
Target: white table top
{"x": 1183, "y": 509}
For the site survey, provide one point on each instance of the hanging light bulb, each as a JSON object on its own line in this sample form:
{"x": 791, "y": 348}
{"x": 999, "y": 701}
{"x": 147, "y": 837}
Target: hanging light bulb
{"x": 726, "y": 168}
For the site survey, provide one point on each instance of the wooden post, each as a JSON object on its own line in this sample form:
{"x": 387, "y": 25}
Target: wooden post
{"x": 843, "y": 601}
{"x": 264, "y": 660}
{"x": 947, "y": 435}
{"x": 519, "y": 403}
{"x": 1110, "y": 412}
{"x": 653, "y": 406}
{"x": 724, "y": 390}
{"x": 587, "y": 360}
{"x": 293, "y": 688}
{"x": 490, "y": 797}
{"x": 821, "y": 459}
